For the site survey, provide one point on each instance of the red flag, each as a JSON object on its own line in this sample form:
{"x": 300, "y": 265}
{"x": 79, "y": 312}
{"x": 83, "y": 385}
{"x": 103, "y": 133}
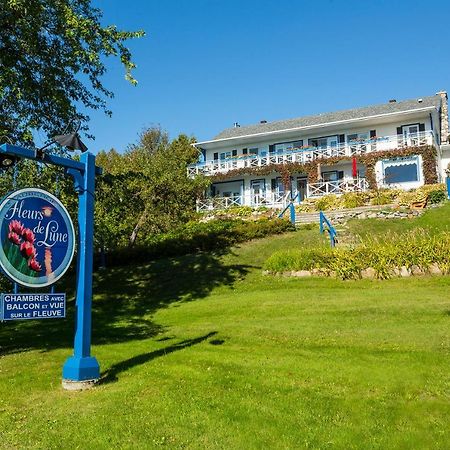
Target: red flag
{"x": 354, "y": 168}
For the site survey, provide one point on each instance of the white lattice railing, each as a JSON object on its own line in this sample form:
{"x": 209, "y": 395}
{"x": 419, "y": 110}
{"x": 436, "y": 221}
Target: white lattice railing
{"x": 281, "y": 199}
{"x": 336, "y": 187}
{"x": 307, "y": 154}
{"x": 272, "y": 199}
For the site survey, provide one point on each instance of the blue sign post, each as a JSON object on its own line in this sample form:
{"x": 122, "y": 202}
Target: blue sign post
{"x": 448, "y": 184}
{"x": 81, "y": 369}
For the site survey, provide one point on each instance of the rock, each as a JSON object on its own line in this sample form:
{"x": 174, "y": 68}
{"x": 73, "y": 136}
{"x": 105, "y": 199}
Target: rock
{"x": 416, "y": 270}
{"x": 404, "y": 272}
{"x": 370, "y": 272}
{"x": 395, "y": 272}
{"x": 266, "y": 272}
{"x": 317, "y": 272}
{"x": 302, "y": 273}
{"x": 434, "y": 269}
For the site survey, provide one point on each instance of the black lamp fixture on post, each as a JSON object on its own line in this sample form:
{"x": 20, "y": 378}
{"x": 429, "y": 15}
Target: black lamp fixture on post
{"x": 71, "y": 141}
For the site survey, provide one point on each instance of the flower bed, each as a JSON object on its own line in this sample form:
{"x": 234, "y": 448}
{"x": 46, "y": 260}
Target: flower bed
{"x": 435, "y": 193}
{"x": 413, "y": 253}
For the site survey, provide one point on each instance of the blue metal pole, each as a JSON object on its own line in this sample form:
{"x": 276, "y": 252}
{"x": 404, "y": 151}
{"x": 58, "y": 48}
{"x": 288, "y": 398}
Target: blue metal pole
{"x": 448, "y": 187}
{"x": 82, "y": 366}
{"x": 292, "y": 212}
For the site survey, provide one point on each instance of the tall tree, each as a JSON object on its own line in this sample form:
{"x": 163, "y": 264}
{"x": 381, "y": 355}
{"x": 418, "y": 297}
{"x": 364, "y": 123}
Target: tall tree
{"x": 51, "y": 65}
{"x": 146, "y": 190}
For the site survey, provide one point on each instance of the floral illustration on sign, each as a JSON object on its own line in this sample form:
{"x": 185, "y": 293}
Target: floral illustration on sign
{"x": 21, "y": 250}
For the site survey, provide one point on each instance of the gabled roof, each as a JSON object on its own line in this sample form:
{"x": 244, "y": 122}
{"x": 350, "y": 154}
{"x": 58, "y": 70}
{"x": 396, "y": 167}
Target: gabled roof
{"x": 325, "y": 118}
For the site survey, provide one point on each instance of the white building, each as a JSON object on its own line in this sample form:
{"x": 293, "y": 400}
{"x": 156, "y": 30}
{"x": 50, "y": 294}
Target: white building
{"x": 398, "y": 144}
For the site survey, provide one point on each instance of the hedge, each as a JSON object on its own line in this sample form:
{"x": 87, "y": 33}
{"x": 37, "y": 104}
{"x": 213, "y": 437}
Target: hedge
{"x": 198, "y": 237}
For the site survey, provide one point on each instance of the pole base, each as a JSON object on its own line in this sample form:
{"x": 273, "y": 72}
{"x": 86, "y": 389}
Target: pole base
{"x": 78, "y": 369}
{"x": 69, "y": 385}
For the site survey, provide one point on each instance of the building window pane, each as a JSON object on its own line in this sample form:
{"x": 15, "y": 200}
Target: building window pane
{"x": 401, "y": 170}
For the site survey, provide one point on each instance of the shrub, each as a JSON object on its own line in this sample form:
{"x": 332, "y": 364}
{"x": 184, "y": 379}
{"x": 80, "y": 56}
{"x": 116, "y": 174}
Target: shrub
{"x": 415, "y": 248}
{"x": 353, "y": 199}
{"x": 437, "y": 197}
{"x": 305, "y": 259}
{"x": 196, "y": 236}
{"x": 327, "y": 202}
{"x": 384, "y": 196}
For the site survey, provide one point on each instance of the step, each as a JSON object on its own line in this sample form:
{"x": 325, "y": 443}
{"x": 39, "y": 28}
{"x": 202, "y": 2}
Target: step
{"x": 314, "y": 217}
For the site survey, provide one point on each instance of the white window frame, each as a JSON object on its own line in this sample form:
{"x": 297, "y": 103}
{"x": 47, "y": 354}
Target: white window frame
{"x": 402, "y": 161}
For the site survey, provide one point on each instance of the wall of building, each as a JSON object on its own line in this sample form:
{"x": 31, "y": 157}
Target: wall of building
{"x": 384, "y": 129}
{"x": 445, "y": 162}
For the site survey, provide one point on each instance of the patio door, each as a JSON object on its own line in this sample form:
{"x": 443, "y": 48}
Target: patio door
{"x": 258, "y": 188}
{"x": 411, "y": 135}
{"x": 302, "y": 188}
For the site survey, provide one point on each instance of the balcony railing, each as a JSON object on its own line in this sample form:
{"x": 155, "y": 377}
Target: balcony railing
{"x": 336, "y": 187}
{"x": 272, "y": 199}
{"x": 309, "y": 153}
{"x": 281, "y": 199}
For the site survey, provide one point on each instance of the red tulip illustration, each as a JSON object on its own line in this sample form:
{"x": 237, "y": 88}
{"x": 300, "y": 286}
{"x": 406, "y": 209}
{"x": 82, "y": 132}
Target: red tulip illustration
{"x": 34, "y": 265}
{"x": 16, "y": 227}
{"x": 28, "y": 235}
{"x": 27, "y": 249}
{"x": 22, "y": 253}
{"x": 14, "y": 238}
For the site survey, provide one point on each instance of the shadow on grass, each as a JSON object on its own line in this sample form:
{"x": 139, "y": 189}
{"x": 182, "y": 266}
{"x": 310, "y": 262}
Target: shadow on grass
{"x": 110, "y": 375}
{"x": 124, "y": 300}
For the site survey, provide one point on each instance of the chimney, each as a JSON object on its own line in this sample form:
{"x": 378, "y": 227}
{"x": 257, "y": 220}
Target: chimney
{"x": 392, "y": 100}
{"x": 236, "y": 125}
{"x": 263, "y": 121}
{"x": 444, "y": 116}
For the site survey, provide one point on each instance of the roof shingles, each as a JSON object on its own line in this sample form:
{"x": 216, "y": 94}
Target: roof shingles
{"x": 324, "y": 118}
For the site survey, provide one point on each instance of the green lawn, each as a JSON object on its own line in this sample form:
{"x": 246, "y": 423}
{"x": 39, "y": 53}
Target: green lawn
{"x": 204, "y": 351}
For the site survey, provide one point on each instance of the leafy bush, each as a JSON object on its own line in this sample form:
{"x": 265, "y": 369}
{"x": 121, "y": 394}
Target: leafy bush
{"x": 305, "y": 259}
{"x": 327, "y": 202}
{"x": 196, "y": 236}
{"x": 385, "y": 255}
{"x": 437, "y": 197}
{"x": 434, "y": 192}
{"x": 353, "y": 199}
{"x": 237, "y": 211}
{"x": 384, "y": 196}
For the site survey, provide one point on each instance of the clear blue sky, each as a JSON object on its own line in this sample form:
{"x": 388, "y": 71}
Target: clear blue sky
{"x": 205, "y": 64}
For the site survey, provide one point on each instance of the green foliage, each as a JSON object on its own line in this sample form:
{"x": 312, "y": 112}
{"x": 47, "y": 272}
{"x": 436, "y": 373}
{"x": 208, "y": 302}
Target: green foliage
{"x": 383, "y": 196}
{"x": 326, "y": 202}
{"x": 434, "y": 192}
{"x": 385, "y": 254}
{"x": 146, "y": 190}
{"x": 236, "y": 211}
{"x": 437, "y": 192}
{"x": 53, "y": 59}
{"x": 435, "y": 197}
{"x": 353, "y": 199}
{"x": 198, "y": 237}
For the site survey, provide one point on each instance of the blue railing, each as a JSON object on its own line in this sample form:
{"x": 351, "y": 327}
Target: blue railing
{"x": 324, "y": 222}
{"x": 291, "y": 208}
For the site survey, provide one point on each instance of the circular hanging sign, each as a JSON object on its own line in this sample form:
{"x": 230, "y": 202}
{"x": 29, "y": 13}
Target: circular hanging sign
{"x": 37, "y": 238}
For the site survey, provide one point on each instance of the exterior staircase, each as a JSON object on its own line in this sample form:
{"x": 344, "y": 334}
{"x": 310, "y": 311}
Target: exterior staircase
{"x": 303, "y": 218}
